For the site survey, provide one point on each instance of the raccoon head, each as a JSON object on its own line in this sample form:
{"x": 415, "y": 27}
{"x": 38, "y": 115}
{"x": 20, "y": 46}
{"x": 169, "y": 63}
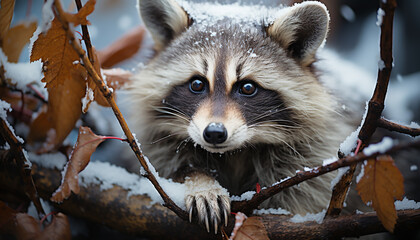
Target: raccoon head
{"x": 229, "y": 85}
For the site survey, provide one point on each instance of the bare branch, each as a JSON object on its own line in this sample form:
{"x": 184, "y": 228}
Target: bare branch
{"x": 395, "y": 127}
{"x": 376, "y": 103}
{"x": 22, "y": 163}
{"x": 108, "y": 94}
{"x": 258, "y": 198}
{"x": 86, "y": 37}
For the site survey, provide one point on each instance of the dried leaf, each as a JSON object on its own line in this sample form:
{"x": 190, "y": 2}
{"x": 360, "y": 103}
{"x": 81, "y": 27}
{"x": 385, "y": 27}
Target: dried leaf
{"x": 123, "y": 48}
{"x": 57, "y": 55}
{"x": 98, "y": 97}
{"x": 80, "y": 16}
{"x": 16, "y": 38}
{"x": 252, "y": 228}
{"x": 59, "y": 228}
{"x": 86, "y": 144}
{"x": 6, "y": 217}
{"x": 117, "y": 78}
{"x": 381, "y": 184}
{"x": 64, "y": 109}
{"x": 26, "y": 227}
{"x": 6, "y": 14}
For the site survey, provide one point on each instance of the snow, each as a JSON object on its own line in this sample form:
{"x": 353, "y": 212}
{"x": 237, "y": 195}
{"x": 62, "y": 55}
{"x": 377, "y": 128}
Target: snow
{"x": 381, "y": 64}
{"x": 107, "y": 175}
{"x": 380, "y": 16}
{"x": 49, "y": 160}
{"x": 316, "y": 217}
{"x": 413, "y": 168}
{"x": 406, "y": 204}
{"x": 351, "y": 141}
{"x": 341, "y": 172}
{"x": 21, "y": 74}
{"x": 278, "y": 211}
{"x": 245, "y": 196}
{"x": 208, "y": 13}
{"x": 4, "y": 108}
{"x": 328, "y": 161}
{"x": 89, "y": 97}
{"x": 47, "y": 16}
{"x": 380, "y": 147}
{"x": 362, "y": 172}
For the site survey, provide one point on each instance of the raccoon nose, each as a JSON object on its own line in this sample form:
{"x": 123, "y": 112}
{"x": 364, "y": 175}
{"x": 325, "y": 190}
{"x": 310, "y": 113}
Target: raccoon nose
{"x": 215, "y": 133}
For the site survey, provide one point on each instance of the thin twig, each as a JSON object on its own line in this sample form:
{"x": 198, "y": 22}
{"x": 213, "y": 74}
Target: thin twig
{"x": 375, "y": 107}
{"x": 22, "y": 163}
{"x": 108, "y": 94}
{"x": 258, "y": 198}
{"x": 86, "y": 37}
{"x": 395, "y": 127}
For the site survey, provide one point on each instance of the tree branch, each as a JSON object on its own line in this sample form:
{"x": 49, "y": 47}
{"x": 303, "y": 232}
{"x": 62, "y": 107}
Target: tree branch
{"x": 23, "y": 164}
{"x": 258, "y": 198}
{"x": 135, "y": 215}
{"x": 108, "y": 94}
{"x": 86, "y": 37}
{"x": 395, "y": 127}
{"x": 376, "y": 104}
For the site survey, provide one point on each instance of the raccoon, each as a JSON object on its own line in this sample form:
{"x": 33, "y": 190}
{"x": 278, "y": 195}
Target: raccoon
{"x": 231, "y": 101}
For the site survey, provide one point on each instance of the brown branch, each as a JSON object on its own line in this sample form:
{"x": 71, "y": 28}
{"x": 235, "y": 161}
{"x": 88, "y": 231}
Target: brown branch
{"x": 375, "y": 107}
{"x": 395, "y": 127}
{"x": 86, "y": 36}
{"x": 22, "y": 163}
{"x": 108, "y": 94}
{"x": 135, "y": 215}
{"x": 258, "y": 198}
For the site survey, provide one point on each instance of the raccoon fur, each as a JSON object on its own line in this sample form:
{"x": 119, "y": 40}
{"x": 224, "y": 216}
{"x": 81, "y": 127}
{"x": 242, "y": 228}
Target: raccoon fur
{"x": 228, "y": 102}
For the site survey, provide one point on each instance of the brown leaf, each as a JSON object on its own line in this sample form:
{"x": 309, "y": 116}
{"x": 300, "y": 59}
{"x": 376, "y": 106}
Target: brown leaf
{"x": 16, "y": 38}
{"x": 6, "y": 14}
{"x": 123, "y": 48}
{"x": 57, "y": 55}
{"x": 80, "y": 16}
{"x": 26, "y": 227}
{"x": 59, "y": 228}
{"x": 252, "y": 228}
{"x": 381, "y": 184}
{"x": 117, "y": 78}
{"x": 63, "y": 111}
{"x": 6, "y": 218}
{"x": 86, "y": 144}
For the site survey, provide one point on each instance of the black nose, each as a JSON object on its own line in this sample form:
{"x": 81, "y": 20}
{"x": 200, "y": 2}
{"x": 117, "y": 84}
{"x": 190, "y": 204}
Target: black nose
{"x": 215, "y": 133}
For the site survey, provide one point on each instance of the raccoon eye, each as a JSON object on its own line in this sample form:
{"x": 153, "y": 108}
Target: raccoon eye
{"x": 248, "y": 88}
{"x": 197, "y": 85}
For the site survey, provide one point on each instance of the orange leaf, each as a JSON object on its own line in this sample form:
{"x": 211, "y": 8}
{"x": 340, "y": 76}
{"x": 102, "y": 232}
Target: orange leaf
{"x": 98, "y": 97}
{"x": 381, "y": 184}
{"x": 59, "y": 228}
{"x": 252, "y": 228}
{"x": 16, "y": 38}
{"x": 6, "y": 14}
{"x": 86, "y": 144}
{"x": 117, "y": 78}
{"x": 26, "y": 227}
{"x": 64, "y": 109}
{"x": 123, "y": 48}
{"x": 56, "y": 53}
{"x": 80, "y": 16}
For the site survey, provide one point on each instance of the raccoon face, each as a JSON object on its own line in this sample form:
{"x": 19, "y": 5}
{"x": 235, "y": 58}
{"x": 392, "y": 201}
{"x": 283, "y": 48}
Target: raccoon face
{"x": 227, "y": 85}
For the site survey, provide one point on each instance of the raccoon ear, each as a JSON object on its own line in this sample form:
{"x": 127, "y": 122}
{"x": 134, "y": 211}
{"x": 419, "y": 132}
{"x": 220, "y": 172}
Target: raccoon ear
{"x": 164, "y": 19}
{"x": 301, "y": 30}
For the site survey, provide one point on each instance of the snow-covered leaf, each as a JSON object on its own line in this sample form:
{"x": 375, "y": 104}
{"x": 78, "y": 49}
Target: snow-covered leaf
{"x": 16, "y": 38}
{"x": 86, "y": 144}
{"x": 6, "y": 14}
{"x": 117, "y": 78}
{"x": 123, "y": 48}
{"x": 381, "y": 184}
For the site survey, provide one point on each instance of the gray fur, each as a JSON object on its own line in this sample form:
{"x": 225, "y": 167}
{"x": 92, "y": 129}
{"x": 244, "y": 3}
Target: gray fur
{"x": 261, "y": 153}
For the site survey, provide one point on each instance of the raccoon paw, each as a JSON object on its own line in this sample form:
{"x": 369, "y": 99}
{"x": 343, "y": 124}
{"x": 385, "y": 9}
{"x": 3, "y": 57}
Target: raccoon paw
{"x": 207, "y": 202}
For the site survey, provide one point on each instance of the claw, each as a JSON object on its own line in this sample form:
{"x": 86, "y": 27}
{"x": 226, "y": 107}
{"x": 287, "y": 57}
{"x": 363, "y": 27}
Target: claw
{"x": 207, "y": 224}
{"x": 191, "y": 213}
{"x": 215, "y": 226}
{"x": 226, "y": 218}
